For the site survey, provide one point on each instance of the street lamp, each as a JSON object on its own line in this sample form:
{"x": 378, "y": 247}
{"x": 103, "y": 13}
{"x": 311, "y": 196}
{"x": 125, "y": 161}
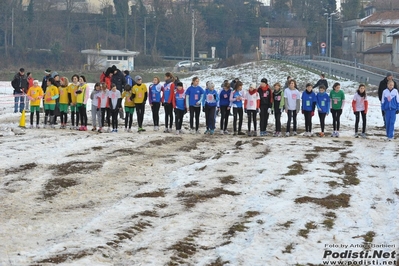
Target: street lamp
{"x": 329, "y": 17}
{"x": 267, "y": 39}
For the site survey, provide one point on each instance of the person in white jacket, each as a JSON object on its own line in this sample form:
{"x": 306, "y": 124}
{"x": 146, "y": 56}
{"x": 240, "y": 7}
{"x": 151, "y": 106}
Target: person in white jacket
{"x": 251, "y": 107}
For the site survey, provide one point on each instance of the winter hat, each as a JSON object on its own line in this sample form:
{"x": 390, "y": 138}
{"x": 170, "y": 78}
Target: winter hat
{"x": 54, "y": 74}
{"x": 47, "y": 71}
{"x": 389, "y": 74}
{"x": 21, "y": 69}
{"x": 137, "y": 78}
{"x": 253, "y": 85}
{"x": 264, "y": 80}
{"x": 126, "y": 72}
{"x": 35, "y": 81}
{"x": 211, "y": 84}
{"x": 179, "y": 84}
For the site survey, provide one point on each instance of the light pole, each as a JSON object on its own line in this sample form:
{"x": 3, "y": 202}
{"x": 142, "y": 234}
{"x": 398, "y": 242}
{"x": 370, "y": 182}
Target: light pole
{"x": 329, "y": 17}
{"x": 145, "y": 35}
{"x": 267, "y": 39}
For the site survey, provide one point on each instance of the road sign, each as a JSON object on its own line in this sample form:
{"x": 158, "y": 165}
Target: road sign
{"x": 323, "y": 45}
{"x": 309, "y": 44}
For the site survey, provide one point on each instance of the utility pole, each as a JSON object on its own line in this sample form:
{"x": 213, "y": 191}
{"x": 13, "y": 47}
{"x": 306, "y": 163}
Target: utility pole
{"x": 192, "y": 37}
{"x": 145, "y": 35}
{"x": 12, "y": 27}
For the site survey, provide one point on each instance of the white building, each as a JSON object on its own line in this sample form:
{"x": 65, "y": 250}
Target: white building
{"x": 102, "y": 59}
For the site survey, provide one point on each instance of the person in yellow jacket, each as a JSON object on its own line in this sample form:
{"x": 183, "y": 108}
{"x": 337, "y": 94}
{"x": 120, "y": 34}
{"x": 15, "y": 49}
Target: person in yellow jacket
{"x": 82, "y": 95}
{"x": 129, "y": 107}
{"x": 35, "y": 94}
{"x": 64, "y": 101}
{"x": 50, "y": 96}
{"x": 139, "y": 97}
{"x": 72, "y": 88}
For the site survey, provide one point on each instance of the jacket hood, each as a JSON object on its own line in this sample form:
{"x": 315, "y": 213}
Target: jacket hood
{"x": 252, "y": 92}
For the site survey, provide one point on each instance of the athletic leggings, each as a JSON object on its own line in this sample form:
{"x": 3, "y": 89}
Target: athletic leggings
{"x": 277, "y": 118}
{"x": 128, "y": 119}
{"x": 103, "y": 112}
{"x": 179, "y": 118}
{"x": 140, "y": 113}
{"x": 237, "y": 111}
{"x": 336, "y": 114}
{"x": 168, "y": 108}
{"x": 73, "y": 114}
{"x": 224, "y": 117}
{"x": 210, "y": 117}
{"x": 114, "y": 115}
{"x": 291, "y": 115}
{"x": 308, "y": 120}
{"x": 37, "y": 117}
{"x": 357, "y": 115}
{"x": 64, "y": 117}
{"x": 155, "y": 113}
{"x": 322, "y": 118}
{"x": 194, "y": 111}
{"x": 264, "y": 117}
{"x": 251, "y": 117}
{"x": 83, "y": 115}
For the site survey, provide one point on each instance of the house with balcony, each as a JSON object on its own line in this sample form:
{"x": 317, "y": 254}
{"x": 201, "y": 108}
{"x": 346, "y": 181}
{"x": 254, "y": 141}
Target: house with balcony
{"x": 282, "y": 41}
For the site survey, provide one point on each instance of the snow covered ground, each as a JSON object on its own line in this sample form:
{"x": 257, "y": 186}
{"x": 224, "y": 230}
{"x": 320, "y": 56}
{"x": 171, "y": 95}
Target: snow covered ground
{"x": 82, "y": 198}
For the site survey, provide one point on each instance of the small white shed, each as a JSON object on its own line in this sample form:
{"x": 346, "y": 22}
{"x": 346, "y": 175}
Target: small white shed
{"x": 102, "y": 59}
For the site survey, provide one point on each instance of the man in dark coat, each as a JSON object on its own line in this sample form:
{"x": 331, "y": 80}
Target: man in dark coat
{"x": 119, "y": 80}
{"x": 20, "y": 85}
{"x": 321, "y": 81}
{"x": 383, "y": 85}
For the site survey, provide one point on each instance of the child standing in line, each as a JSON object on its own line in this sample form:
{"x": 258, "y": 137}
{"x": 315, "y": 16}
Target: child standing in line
{"x": 390, "y": 105}
{"x": 209, "y": 102}
{"x": 278, "y": 107}
{"x": 35, "y": 94}
{"x": 82, "y": 95}
{"x": 266, "y": 102}
{"x": 337, "y": 97}
{"x": 139, "y": 97}
{"x": 167, "y": 98}
{"x": 103, "y": 105}
{"x": 155, "y": 98}
{"x": 194, "y": 95}
{"x": 179, "y": 105}
{"x": 224, "y": 105}
{"x": 323, "y": 107}
{"x": 308, "y": 107}
{"x": 115, "y": 104}
{"x": 129, "y": 107}
{"x": 64, "y": 101}
{"x": 360, "y": 105}
{"x": 95, "y": 109}
{"x": 292, "y": 102}
{"x": 251, "y": 107}
{"x": 236, "y": 98}
{"x": 72, "y": 88}
{"x": 49, "y": 102}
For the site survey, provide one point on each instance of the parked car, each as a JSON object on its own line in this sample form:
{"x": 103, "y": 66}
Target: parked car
{"x": 187, "y": 63}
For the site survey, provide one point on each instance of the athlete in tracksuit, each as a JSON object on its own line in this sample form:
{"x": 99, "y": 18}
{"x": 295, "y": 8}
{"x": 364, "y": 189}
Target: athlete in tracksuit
{"x": 390, "y": 105}
{"x": 209, "y": 102}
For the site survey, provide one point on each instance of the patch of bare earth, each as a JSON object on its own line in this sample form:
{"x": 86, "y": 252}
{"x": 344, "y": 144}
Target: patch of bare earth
{"x": 57, "y": 185}
{"x": 21, "y": 168}
{"x": 167, "y": 140}
{"x": 154, "y": 194}
{"x": 184, "y": 248}
{"x": 75, "y": 167}
{"x": 60, "y": 258}
{"x": 329, "y": 202}
{"x": 190, "y": 199}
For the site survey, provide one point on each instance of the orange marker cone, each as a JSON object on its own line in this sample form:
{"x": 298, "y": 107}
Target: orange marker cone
{"x": 22, "y": 120}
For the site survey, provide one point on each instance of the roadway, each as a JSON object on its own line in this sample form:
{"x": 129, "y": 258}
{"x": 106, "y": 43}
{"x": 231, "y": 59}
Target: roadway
{"x": 345, "y": 71}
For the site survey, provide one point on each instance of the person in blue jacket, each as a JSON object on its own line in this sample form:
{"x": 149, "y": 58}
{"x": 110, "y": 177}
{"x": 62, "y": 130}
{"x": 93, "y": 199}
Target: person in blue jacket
{"x": 128, "y": 78}
{"x": 194, "y": 95}
{"x": 224, "y": 106}
{"x": 236, "y": 98}
{"x": 308, "y": 107}
{"x": 323, "y": 107}
{"x": 209, "y": 102}
{"x": 154, "y": 99}
{"x": 179, "y": 106}
{"x": 390, "y": 107}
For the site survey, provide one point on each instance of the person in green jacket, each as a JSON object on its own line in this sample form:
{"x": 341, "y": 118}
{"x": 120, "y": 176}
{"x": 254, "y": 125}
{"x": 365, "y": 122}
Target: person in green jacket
{"x": 337, "y": 102}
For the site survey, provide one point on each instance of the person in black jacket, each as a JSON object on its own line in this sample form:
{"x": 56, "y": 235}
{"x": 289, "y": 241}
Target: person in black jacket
{"x": 383, "y": 85}
{"x": 266, "y": 101}
{"x": 321, "y": 81}
{"x": 20, "y": 85}
{"x": 119, "y": 80}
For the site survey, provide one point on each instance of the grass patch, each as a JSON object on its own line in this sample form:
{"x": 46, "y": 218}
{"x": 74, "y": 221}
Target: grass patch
{"x": 126, "y": 151}
{"x": 397, "y": 192}
{"x": 167, "y": 140}
{"x": 191, "y": 184}
{"x": 275, "y": 192}
{"x": 60, "y": 258}
{"x": 218, "y": 262}
{"x": 329, "y": 202}
{"x": 201, "y": 168}
{"x": 311, "y": 156}
{"x": 149, "y": 214}
{"x": 308, "y": 226}
{"x": 190, "y": 199}
{"x": 227, "y": 179}
{"x": 286, "y": 224}
{"x": 97, "y": 148}
{"x": 21, "y": 168}
{"x": 184, "y": 248}
{"x": 76, "y": 167}
{"x": 295, "y": 169}
{"x": 154, "y": 194}
{"x": 318, "y": 149}
{"x": 56, "y": 186}
{"x": 333, "y": 184}
{"x": 288, "y": 248}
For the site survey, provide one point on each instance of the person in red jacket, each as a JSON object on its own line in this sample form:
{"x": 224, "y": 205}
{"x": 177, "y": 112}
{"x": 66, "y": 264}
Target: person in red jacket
{"x": 266, "y": 103}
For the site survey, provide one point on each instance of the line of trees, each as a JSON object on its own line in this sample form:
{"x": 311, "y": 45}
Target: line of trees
{"x": 46, "y": 36}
